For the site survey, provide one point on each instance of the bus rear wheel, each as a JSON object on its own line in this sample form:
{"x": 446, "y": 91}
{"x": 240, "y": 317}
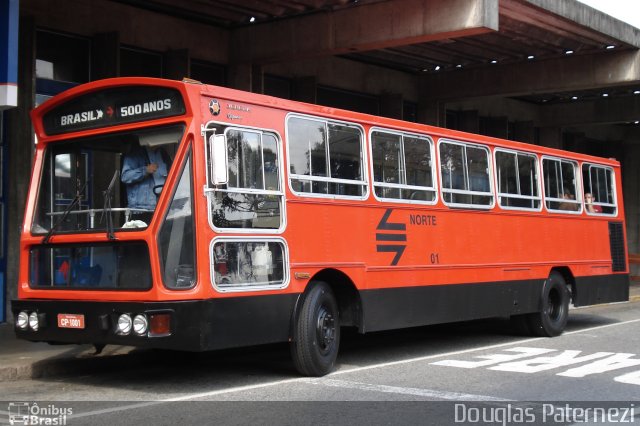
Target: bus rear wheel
{"x": 552, "y": 320}
{"x": 316, "y": 333}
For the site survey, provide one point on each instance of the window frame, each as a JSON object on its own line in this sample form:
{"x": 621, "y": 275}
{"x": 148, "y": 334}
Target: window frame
{"x": 188, "y": 158}
{"x": 244, "y": 288}
{"x": 209, "y": 129}
{"x": 499, "y": 194}
{"x": 363, "y": 162}
{"x": 578, "y": 188}
{"x": 491, "y": 192}
{"x": 400, "y": 186}
{"x": 613, "y": 190}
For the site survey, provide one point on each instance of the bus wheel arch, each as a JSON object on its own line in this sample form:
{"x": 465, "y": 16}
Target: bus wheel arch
{"x": 569, "y": 280}
{"x": 346, "y": 294}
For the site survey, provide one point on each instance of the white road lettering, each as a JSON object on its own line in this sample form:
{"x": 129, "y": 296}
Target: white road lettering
{"x": 522, "y": 352}
{"x": 544, "y": 363}
{"x": 632, "y": 378}
{"x": 614, "y": 362}
{"x": 601, "y": 363}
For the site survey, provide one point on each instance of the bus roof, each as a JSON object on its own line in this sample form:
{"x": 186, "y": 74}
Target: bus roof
{"x": 192, "y": 90}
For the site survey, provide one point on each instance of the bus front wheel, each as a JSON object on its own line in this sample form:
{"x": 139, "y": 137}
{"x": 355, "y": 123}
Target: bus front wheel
{"x": 552, "y": 320}
{"x": 316, "y": 334}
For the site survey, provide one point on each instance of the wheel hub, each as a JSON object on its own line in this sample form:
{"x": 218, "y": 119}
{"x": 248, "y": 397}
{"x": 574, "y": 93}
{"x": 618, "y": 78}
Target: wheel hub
{"x": 326, "y": 328}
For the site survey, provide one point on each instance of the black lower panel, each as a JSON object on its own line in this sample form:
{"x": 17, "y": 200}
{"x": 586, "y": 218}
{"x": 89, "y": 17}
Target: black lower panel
{"x": 601, "y": 289}
{"x": 244, "y": 321}
{"x": 195, "y": 325}
{"x": 414, "y": 306}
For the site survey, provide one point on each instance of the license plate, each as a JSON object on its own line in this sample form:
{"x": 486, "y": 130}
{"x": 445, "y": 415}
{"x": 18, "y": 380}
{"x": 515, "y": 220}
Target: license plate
{"x": 70, "y": 321}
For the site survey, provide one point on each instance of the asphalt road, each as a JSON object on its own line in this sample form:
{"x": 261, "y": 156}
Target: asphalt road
{"x": 449, "y": 374}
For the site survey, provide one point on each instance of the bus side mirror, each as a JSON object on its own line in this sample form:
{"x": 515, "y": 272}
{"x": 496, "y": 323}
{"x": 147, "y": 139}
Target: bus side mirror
{"x": 218, "y": 150}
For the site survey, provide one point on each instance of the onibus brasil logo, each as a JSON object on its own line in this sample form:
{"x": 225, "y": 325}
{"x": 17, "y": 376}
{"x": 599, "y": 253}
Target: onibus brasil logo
{"x": 27, "y": 413}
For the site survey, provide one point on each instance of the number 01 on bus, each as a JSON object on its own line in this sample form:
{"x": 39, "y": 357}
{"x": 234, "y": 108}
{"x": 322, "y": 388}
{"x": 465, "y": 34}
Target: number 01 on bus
{"x": 168, "y": 214}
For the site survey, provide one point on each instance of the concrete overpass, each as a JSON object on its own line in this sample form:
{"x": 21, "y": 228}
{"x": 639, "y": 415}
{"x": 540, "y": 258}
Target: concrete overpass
{"x": 548, "y": 72}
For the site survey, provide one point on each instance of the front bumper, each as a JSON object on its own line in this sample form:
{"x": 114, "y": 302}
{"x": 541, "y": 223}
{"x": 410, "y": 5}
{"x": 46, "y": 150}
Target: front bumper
{"x": 194, "y": 325}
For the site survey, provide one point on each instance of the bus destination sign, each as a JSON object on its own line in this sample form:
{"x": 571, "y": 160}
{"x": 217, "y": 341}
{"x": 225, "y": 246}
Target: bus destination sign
{"x": 112, "y": 107}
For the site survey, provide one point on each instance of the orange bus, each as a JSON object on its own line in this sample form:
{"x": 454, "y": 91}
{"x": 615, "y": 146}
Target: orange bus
{"x": 179, "y": 215}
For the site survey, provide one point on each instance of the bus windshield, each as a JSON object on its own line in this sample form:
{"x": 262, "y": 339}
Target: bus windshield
{"x": 104, "y": 183}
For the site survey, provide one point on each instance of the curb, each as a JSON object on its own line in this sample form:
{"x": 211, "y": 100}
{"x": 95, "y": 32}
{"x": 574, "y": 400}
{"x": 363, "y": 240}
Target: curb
{"x": 62, "y": 364}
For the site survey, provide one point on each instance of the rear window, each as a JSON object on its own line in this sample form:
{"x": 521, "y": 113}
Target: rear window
{"x": 599, "y": 191}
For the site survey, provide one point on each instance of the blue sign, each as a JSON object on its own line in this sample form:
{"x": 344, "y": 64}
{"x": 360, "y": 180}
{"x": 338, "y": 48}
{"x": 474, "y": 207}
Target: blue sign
{"x": 9, "y": 53}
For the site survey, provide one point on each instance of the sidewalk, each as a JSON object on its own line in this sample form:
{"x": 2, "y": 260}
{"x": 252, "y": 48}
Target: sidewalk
{"x": 21, "y": 360}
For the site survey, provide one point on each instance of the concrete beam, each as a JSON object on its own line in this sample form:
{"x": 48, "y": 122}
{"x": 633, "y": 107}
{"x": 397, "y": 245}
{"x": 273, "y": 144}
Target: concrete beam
{"x": 602, "y": 111}
{"x": 346, "y": 74}
{"x": 366, "y": 27}
{"x": 591, "y": 18}
{"x": 608, "y": 69}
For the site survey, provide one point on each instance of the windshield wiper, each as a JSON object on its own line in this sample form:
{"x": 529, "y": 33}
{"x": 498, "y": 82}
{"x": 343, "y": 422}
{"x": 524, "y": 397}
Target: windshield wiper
{"x": 107, "y": 193}
{"x": 72, "y": 204}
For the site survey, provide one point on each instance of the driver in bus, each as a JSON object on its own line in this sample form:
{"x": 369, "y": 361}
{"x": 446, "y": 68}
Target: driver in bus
{"x": 144, "y": 171}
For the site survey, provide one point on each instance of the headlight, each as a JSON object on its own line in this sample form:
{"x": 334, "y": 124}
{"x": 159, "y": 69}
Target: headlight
{"x": 124, "y": 324}
{"x": 23, "y": 320}
{"x": 34, "y": 323}
{"x": 140, "y": 324}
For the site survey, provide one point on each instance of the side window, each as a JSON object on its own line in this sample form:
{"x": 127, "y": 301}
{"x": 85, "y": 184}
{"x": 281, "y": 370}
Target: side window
{"x": 464, "y": 173}
{"x": 325, "y": 157}
{"x": 249, "y": 264}
{"x": 517, "y": 176}
{"x": 599, "y": 192}
{"x": 402, "y": 167}
{"x": 560, "y": 185}
{"x": 253, "y": 197}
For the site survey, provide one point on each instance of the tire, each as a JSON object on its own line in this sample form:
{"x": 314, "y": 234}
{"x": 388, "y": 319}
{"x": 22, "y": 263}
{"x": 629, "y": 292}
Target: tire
{"x": 316, "y": 332}
{"x": 552, "y": 320}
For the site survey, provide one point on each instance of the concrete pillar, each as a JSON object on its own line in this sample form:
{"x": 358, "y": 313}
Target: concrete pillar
{"x": 176, "y": 64}
{"x": 105, "y": 56}
{"x": 432, "y": 112}
{"x": 391, "y": 105}
{"x": 305, "y": 89}
{"x": 551, "y": 137}
{"x": 257, "y": 79}
{"x": 20, "y": 140}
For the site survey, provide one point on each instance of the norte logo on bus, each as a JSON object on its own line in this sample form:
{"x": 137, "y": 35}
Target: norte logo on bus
{"x": 394, "y": 241}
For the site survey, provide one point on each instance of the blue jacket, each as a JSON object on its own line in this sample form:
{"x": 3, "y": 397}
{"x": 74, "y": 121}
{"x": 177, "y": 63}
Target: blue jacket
{"x": 140, "y": 185}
